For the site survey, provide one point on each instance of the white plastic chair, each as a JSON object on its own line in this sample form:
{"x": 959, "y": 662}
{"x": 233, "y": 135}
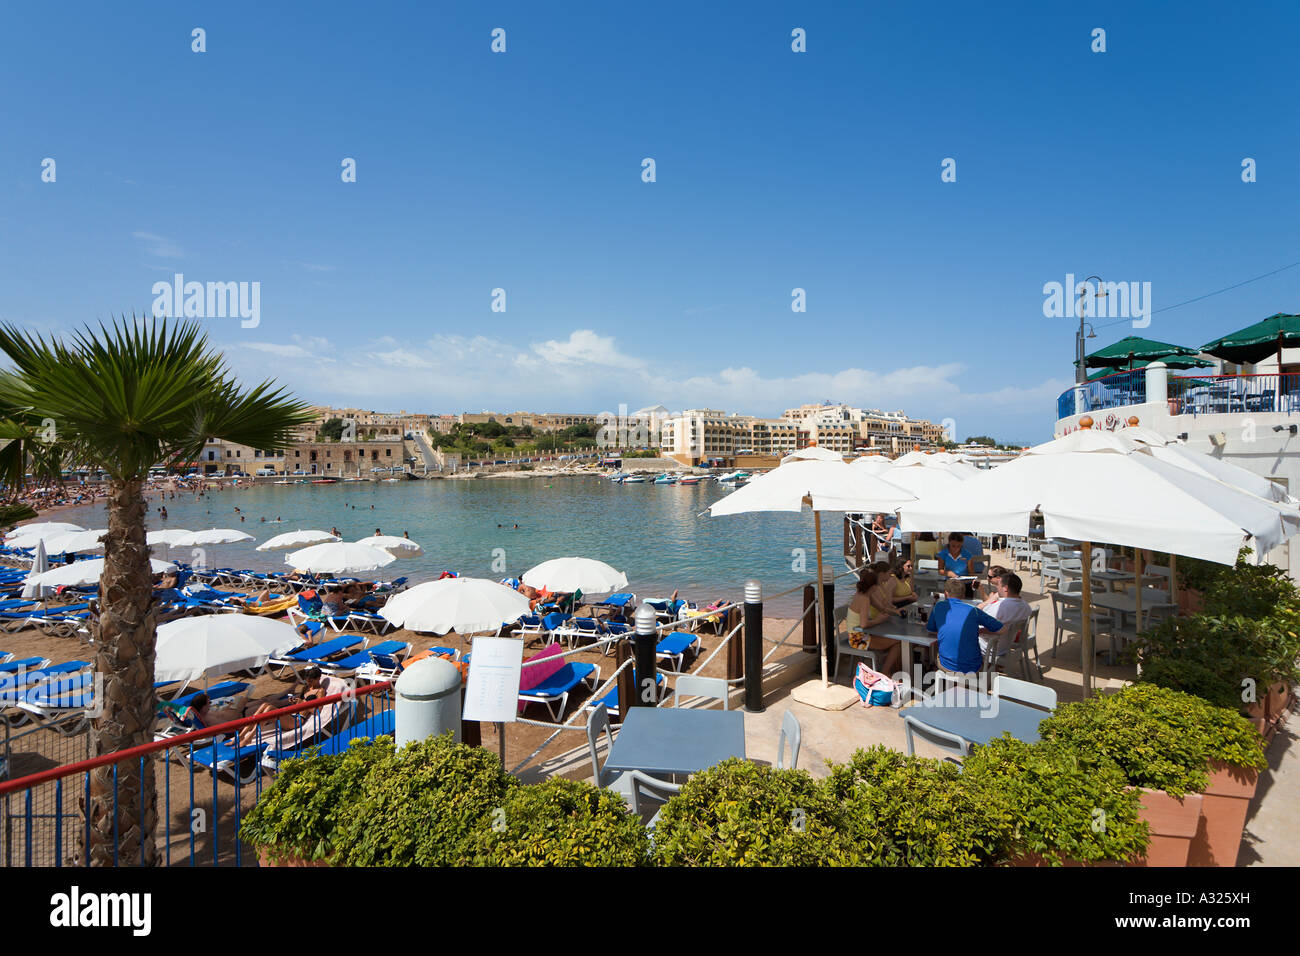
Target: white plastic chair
{"x": 713, "y": 688}
{"x": 631, "y": 785}
{"x": 792, "y": 732}
{"x": 956, "y": 747}
{"x": 1024, "y": 692}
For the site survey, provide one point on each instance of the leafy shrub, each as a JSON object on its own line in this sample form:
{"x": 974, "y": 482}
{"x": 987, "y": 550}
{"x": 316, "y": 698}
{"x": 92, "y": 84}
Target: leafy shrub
{"x": 299, "y": 814}
{"x": 915, "y": 811}
{"x": 423, "y": 806}
{"x": 740, "y": 814}
{"x": 1159, "y": 738}
{"x": 561, "y": 823}
{"x": 1063, "y": 810}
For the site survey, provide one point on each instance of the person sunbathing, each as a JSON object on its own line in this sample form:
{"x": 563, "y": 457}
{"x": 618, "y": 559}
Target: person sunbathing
{"x": 315, "y": 685}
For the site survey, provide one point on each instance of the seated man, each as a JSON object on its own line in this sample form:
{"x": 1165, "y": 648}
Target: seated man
{"x": 958, "y": 626}
{"x": 1010, "y": 609}
{"x": 953, "y": 561}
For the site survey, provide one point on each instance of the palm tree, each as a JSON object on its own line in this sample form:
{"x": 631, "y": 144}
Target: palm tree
{"x": 136, "y": 394}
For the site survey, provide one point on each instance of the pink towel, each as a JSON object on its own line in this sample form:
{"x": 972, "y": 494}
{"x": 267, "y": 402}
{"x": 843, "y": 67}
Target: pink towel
{"x": 530, "y": 677}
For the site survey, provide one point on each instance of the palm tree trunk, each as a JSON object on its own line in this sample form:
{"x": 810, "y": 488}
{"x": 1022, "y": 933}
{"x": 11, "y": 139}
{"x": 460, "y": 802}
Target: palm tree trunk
{"x": 125, "y": 660}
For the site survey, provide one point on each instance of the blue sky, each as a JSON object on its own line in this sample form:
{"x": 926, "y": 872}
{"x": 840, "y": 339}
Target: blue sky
{"x": 775, "y": 170}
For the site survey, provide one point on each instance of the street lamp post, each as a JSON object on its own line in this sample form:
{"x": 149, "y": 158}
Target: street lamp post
{"x": 1081, "y": 370}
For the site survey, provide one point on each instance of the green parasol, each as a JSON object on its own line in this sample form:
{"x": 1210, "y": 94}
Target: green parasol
{"x": 1133, "y": 351}
{"x": 1257, "y": 342}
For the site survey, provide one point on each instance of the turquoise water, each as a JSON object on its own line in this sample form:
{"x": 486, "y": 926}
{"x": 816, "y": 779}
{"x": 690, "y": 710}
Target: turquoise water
{"x": 654, "y": 533}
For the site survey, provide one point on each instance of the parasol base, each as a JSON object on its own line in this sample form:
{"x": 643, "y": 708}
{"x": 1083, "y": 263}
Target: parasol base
{"x": 825, "y": 696}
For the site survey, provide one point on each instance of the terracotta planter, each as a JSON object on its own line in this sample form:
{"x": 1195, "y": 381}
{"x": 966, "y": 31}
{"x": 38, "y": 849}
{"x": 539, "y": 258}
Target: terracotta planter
{"x": 1173, "y": 826}
{"x": 1278, "y": 702}
{"x": 264, "y": 859}
{"x": 1223, "y": 815}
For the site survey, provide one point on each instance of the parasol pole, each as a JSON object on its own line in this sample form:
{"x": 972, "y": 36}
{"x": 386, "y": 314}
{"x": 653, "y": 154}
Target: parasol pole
{"x": 1173, "y": 581}
{"x": 1085, "y": 624}
{"x": 821, "y": 614}
{"x": 1141, "y": 567}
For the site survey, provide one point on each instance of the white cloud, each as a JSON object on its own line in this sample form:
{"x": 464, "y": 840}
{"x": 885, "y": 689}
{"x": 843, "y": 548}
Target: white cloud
{"x": 159, "y": 246}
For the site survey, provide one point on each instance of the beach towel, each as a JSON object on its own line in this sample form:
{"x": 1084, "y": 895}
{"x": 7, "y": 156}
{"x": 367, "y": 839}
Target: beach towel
{"x": 530, "y": 677}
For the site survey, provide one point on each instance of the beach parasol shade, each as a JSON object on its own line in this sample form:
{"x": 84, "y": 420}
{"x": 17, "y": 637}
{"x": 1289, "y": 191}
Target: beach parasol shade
{"x": 296, "y": 540}
{"x": 40, "y": 564}
{"x": 397, "y": 547}
{"x": 166, "y": 536}
{"x": 569, "y": 575}
{"x": 1257, "y": 342}
{"x": 82, "y": 574}
{"x": 339, "y": 557}
{"x": 197, "y": 647}
{"x": 463, "y": 605}
{"x": 73, "y": 541}
{"x": 1133, "y": 351}
{"x": 198, "y": 539}
{"x": 1177, "y": 363}
{"x": 919, "y": 479}
{"x": 29, "y": 534}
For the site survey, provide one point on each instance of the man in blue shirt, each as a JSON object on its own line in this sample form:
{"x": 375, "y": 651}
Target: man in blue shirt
{"x": 953, "y": 560}
{"x": 958, "y": 628}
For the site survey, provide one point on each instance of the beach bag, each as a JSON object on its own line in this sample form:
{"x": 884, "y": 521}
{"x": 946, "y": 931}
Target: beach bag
{"x": 873, "y": 687}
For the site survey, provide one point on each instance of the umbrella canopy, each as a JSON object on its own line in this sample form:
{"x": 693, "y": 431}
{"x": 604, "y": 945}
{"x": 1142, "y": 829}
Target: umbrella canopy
{"x": 823, "y": 484}
{"x": 86, "y": 573}
{"x": 1224, "y": 471}
{"x": 197, "y": 539}
{"x": 1101, "y": 487}
{"x": 167, "y": 536}
{"x": 397, "y": 547}
{"x": 569, "y": 575}
{"x": 296, "y": 539}
{"x": 339, "y": 557}
{"x": 40, "y": 564}
{"x": 1179, "y": 363}
{"x": 1133, "y": 351}
{"x": 29, "y": 534}
{"x": 920, "y": 480}
{"x": 1257, "y": 342}
{"x": 196, "y": 647}
{"x": 463, "y": 605}
{"x": 73, "y": 541}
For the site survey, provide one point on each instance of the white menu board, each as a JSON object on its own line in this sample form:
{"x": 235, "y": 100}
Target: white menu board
{"x": 492, "y": 692}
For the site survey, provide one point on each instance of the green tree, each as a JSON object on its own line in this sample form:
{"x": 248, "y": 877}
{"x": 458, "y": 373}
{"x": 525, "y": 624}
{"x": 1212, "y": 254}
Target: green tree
{"x": 123, "y": 399}
{"x": 332, "y": 430}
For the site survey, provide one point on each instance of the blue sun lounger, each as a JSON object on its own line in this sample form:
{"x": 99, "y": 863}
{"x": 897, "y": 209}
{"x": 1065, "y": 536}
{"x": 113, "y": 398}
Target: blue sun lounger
{"x": 60, "y": 702}
{"x": 376, "y": 725}
{"x": 610, "y": 700}
{"x": 24, "y": 664}
{"x": 674, "y": 648}
{"x": 554, "y": 691}
{"x": 12, "y": 683}
{"x": 240, "y": 764}
{"x": 317, "y": 654}
{"x": 387, "y": 650}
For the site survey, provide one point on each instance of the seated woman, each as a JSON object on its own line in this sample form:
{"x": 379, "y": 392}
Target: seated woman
{"x": 863, "y": 614}
{"x": 904, "y": 592}
{"x": 197, "y": 715}
{"x": 315, "y": 685}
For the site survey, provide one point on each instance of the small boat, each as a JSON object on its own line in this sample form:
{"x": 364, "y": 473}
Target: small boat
{"x": 691, "y": 480}
{"x": 666, "y": 480}
{"x": 325, "y": 481}
{"x": 634, "y": 480}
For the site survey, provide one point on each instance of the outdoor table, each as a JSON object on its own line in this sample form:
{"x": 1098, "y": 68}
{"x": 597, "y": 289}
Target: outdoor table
{"x": 1126, "y": 603}
{"x": 676, "y": 740}
{"x": 971, "y": 716}
{"x": 913, "y": 635}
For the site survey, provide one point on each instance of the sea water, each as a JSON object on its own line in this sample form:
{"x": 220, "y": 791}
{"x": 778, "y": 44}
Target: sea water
{"x": 656, "y": 534}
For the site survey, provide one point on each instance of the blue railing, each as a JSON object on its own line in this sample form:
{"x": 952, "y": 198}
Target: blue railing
{"x": 1190, "y": 394}
{"x": 1113, "y": 391}
{"x": 202, "y": 793}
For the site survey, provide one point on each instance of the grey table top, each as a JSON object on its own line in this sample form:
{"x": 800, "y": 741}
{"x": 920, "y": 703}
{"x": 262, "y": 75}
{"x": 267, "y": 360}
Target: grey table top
{"x": 1127, "y": 602}
{"x": 977, "y": 717}
{"x": 897, "y": 629}
{"x": 676, "y": 740}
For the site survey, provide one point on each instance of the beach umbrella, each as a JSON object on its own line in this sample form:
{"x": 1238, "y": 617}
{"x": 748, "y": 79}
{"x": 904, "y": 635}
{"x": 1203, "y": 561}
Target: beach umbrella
{"x": 570, "y": 575}
{"x": 824, "y": 484}
{"x": 29, "y": 534}
{"x": 1257, "y": 342}
{"x": 197, "y": 647}
{"x": 1100, "y": 487}
{"x": 339, "y": 557}
{"x": 40, "y": 564}
{"x": 397, "y": 547}
{"x": 167, "y": 536}
{"x": 198, "y": 539}
{"x": 296, "y": 540}
{"x": 919, "y": 479}
{"x": 463, "y": 605}
{"x": 82, "y": 574}
{"x": 1221, "y": 470}
{"x": 71, "y": 542}
{"x": 1133, "y": 351}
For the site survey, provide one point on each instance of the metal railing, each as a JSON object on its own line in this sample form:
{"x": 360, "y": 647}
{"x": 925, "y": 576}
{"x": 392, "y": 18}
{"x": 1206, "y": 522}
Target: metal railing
{"x": 200, "y": 800}
{"x": 1112, "y": 391}
{"x": 1188, "y": 394}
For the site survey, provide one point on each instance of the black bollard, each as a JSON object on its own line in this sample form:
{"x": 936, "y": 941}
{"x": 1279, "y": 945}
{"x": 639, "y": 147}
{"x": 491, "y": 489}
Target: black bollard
{"x": 753, "y": 647}
{"x": 828, "y": 622}
{"x": 646, "y": 664}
